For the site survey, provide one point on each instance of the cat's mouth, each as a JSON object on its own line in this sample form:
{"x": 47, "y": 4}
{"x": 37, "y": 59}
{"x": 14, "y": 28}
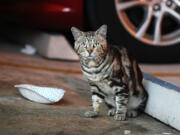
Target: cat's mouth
{"x": 92, "y": 61}
{"x": 92, "y": 57}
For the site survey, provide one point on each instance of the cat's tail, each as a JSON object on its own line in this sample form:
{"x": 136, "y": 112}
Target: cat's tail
{"x": 144, "y": 98}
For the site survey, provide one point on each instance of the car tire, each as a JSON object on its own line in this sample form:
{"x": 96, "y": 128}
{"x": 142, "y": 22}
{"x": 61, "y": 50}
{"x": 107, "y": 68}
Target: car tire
{"x": 104, "y": 12}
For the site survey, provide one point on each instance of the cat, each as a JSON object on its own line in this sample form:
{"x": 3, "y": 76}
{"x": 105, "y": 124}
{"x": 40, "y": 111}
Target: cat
{"x": 112, "y": 73}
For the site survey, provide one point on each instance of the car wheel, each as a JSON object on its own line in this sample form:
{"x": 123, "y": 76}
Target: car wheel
{"x": 149, "y": 28}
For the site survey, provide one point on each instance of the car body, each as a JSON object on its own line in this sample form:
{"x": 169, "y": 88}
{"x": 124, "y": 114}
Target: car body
{"x": 44, "y": 14}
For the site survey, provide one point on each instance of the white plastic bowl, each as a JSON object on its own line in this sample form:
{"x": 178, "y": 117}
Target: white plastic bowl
{"x": 45, "y": 95}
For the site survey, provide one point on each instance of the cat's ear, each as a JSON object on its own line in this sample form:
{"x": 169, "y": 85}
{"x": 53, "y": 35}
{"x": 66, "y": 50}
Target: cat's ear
{"x": 102, "y": 31}
{"x": 76, "y": 33}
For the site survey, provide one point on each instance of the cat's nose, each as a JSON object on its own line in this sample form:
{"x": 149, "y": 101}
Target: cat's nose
{"x": 90, "y": 50}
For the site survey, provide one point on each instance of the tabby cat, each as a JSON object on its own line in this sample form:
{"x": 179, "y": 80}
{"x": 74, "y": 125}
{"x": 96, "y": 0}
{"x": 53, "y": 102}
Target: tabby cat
{"x": 113, "y": 75}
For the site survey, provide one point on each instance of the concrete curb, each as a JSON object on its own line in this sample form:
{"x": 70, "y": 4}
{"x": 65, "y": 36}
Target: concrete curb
{"x": 164, "y": 101}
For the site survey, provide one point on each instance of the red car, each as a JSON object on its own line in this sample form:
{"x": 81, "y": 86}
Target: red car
{"x": 150, "y": 28}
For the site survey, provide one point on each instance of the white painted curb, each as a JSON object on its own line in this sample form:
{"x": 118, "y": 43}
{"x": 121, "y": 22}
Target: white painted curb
{"x": 163, "y": 101}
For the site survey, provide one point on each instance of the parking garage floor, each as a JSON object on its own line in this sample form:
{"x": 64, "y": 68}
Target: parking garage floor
{"x": 20, "y": 116}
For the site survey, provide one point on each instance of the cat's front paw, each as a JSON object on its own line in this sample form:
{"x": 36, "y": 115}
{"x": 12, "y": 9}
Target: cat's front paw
{"x": 120, "y": 117}
{"x": 111, "y": 112}
{"x": 90, "y": 114}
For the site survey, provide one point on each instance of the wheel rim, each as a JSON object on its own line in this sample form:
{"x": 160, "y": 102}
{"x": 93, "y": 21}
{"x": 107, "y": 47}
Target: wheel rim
{"x": 154, "y": 12}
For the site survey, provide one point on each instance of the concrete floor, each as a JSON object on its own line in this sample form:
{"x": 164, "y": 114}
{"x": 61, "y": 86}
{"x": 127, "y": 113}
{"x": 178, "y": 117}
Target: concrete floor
{"x": 20, "y": 116}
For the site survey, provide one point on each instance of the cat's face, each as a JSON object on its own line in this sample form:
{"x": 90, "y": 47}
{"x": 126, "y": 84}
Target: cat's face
{"x": 91, "y": 46}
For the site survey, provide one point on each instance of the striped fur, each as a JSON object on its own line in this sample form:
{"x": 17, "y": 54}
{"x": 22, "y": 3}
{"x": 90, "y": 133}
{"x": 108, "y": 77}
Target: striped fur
{"x": 112, "y": 73}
